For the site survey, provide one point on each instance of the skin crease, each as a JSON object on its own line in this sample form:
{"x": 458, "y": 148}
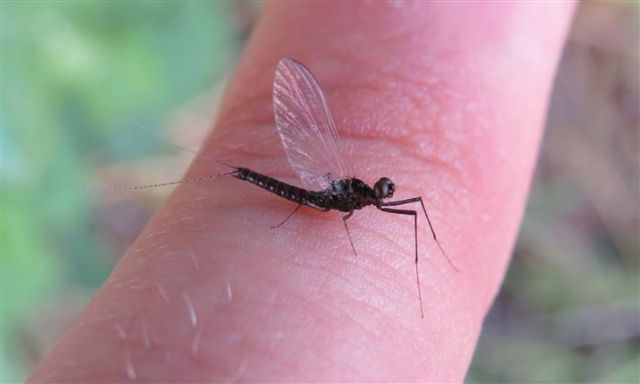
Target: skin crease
{"x": 448, "y": 100}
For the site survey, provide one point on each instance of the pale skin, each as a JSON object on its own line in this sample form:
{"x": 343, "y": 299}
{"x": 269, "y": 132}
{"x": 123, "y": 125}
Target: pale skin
{"x": 447, "y": 100}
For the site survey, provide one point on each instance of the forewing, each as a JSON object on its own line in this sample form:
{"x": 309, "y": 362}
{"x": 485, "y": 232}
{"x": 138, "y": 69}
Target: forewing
{"x": 306, "y": 128}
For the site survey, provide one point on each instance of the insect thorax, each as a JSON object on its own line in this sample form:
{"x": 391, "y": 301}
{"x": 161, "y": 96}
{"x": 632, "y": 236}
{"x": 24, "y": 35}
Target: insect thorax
{"x": 351, "y": 194}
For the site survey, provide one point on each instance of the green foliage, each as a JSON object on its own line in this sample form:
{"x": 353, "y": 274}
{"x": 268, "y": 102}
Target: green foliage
{"x": 76, "y": 77}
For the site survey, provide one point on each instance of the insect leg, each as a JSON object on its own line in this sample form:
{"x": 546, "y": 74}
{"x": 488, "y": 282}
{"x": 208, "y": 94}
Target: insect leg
{"x": 415, "y": 228}
{"x": 433, "y": 232}
{"x": 344, "y": 220}
{"x": 287, "y": 218}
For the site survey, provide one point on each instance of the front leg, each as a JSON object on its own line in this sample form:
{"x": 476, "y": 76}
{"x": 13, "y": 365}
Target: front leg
{"x": 433, "y": 232}
{"x": 415, "y": 229}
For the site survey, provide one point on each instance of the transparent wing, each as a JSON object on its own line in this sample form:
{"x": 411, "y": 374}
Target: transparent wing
{"x": 306, "y": 128}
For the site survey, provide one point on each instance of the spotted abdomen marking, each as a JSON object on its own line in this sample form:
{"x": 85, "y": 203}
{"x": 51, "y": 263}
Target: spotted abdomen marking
{"x": 284, "y": 190}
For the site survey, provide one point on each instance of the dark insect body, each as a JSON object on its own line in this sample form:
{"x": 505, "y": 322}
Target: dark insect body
{"x": 344, "y": 195}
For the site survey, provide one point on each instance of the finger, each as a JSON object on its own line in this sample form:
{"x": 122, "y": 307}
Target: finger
{"x": 447, "y": 100}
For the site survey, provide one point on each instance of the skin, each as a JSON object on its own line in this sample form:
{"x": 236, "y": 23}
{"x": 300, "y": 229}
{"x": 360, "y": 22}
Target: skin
{"x": 448, "y": 100}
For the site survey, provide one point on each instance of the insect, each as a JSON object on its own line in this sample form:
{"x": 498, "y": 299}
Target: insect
{"x": 315, "y": 153}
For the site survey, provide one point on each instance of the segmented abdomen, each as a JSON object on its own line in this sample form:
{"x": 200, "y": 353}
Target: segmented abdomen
{"x": 287, "y": 191}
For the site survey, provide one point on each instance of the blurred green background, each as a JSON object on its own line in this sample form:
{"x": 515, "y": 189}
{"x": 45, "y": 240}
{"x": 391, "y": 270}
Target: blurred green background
{"x": 82, "y": 83}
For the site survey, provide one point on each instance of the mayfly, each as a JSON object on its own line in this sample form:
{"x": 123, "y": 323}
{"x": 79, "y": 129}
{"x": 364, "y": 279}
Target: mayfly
{"x": 315, "y": 153}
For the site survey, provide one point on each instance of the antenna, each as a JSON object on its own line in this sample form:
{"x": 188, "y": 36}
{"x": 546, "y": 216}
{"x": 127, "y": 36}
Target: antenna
{"x": 166, "y": 184}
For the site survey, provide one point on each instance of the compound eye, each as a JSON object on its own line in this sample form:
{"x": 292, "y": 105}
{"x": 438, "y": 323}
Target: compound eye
{"x": 384, "y": 188}
{"x": 390, "y": 189}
